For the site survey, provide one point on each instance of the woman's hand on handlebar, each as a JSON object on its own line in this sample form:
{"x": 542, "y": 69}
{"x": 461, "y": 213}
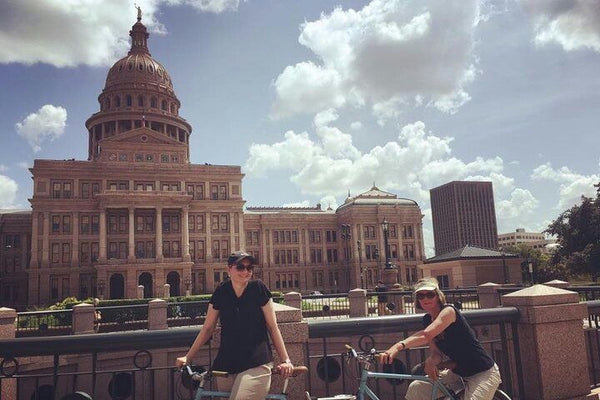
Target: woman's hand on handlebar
{"x": 285, "y": 369}
{"x": 387, "y": 357}
{"x": 181, "y": 361}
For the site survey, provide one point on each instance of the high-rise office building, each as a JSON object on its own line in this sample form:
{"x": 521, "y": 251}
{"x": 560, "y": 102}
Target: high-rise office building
{"x": 463, "y": 214}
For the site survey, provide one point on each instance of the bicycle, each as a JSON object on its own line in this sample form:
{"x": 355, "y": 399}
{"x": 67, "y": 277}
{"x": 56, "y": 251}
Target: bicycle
{"x": 365, "y": 362}
{"x": 206, "y": 375}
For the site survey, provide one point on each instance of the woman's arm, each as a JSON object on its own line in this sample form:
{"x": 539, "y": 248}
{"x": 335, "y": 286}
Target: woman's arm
{"x": 423, "y": 337}
{"x": 431, "y": 362}
{"x": 415, "y": 340}
{"x": 286, "y": 368}
{"x": 210, "y": 322}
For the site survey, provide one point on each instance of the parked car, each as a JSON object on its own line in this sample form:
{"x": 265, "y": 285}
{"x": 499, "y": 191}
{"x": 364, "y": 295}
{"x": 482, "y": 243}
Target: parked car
{"x": 315, "y": 293}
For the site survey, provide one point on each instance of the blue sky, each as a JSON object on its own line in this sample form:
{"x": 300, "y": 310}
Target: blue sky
{"x": 315, "y": 98}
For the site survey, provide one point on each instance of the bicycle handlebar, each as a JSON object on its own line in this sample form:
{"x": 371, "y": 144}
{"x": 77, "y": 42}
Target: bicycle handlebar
{"x": 298, "y": 370}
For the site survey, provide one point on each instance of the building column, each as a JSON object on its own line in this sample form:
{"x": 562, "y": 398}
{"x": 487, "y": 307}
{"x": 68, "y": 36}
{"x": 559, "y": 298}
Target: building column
{"x": 208, "y": 247}
{"x": 131, "y": 238}
{"x": 232, "y": 245}
{"x": 35, "y": 223}
{"x": 263, "y": 248}
{"x": 75, "y": 242}
{"x": 185, "y": 237}
{"x": 242, "y": 235}
{"x": 159, "y": 239}
{"x": 46, "y": 240}
{"x": 102, "y": 244}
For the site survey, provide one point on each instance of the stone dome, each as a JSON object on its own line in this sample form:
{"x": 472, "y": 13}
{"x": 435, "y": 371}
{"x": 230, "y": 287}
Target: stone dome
{"x": 138, "y": 66}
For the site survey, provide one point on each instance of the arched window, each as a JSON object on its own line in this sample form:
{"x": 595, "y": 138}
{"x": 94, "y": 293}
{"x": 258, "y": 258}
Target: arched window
{"x": 141, "y": 101}
{"x": 107, "y": 104}
{"x": 172, "y": 108}
{"x": 117, "y": 101}
{"x": 163, "y": 105}
{"x": 153, "y": 102}
{"x": 128, "y": 100}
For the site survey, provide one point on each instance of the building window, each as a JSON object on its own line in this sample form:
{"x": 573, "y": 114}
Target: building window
{"x": 331, "y": 236}
{"x": 252, "y": 238}
{"x": 369, "y": 231}
{"x": 407, "y": 232}
{"x": 314, "y": 236}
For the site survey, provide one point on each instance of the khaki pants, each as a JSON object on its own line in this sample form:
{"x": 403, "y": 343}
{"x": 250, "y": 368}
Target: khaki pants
{"x": 481, "y": 386}
{"x": 251, "y": 384}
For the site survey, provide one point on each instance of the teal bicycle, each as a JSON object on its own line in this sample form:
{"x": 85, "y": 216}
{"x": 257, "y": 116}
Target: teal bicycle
{"x": 204, "y": 376}
{"x": 366, "y": 361}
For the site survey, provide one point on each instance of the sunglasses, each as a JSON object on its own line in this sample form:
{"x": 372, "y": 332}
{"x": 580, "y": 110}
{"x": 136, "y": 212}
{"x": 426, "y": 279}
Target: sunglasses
{"x": 428, "y": 295}
{"x": 241, "y": 267}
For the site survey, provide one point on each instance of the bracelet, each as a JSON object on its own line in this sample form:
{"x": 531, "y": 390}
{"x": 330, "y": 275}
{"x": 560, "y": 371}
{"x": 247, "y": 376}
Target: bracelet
{"x": 287, "y": 361}
{"x": 403, "y": 345}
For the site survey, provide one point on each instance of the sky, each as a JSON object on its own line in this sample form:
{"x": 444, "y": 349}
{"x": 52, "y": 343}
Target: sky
{"x": 316, "y": 99}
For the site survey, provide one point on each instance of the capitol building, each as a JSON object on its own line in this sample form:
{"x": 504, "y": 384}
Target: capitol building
{"x": 137, "y": 212}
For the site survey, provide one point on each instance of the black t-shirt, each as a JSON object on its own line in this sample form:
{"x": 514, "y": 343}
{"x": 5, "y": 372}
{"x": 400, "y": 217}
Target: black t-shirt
{"x": 458, "y": 342}
{"x": 382, "y": 298}
{"x": 244, "y": 339}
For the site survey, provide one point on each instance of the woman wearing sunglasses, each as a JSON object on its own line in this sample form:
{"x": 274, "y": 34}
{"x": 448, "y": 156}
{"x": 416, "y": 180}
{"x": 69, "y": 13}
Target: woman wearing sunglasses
{"x": 245, "y": 309}
{"x": 450, "y": 338}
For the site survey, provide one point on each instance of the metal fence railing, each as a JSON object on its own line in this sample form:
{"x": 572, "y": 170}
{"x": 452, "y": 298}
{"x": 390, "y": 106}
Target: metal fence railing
{"x": 43, "y": 323}
{"x": 133, "y": 364}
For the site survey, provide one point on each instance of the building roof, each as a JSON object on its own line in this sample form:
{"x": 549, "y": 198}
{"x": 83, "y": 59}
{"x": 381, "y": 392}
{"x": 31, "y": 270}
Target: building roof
{"x": 288, "y": 210}
{"x": 469, "y": 252}
{"x": 15, "y": 211}
{"x": 376, "y": 196}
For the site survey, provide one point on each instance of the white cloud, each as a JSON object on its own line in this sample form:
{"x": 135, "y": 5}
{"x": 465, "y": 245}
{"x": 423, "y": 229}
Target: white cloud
{"x": 48, "y": 123}
{"x": 386, "y": 54}
{"x": 356, "y": 126}
{"x": 304, "y": 203}
{"x": 70, "y": 33}
{"x": 3, "y": 168}
{"x": 573, "y": 24}
{"x": 414, "y": 163}
{"x": 8, "y": 192}
{"x": 520, "y": 203}
{"x": 213, "y": 6}
{"x": 24, "y": 165}
{"x": 572, "y": 184}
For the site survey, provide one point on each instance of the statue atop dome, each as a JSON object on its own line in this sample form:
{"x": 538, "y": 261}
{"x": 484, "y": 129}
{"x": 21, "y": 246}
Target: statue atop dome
{"x": 139, "y": 12}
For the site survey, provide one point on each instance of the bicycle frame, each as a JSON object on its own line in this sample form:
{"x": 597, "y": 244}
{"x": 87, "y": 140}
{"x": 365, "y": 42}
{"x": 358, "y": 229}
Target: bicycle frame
{"x": 202, "y": 393}
{"x": 365, "y": 390}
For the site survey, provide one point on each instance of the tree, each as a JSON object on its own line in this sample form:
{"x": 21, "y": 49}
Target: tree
{"x": 578, "y": 233}
{"x": 544, "y": 271}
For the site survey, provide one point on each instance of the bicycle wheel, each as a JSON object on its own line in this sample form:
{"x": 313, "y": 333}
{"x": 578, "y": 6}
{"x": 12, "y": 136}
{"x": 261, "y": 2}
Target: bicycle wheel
{"x": 500, "y": 395}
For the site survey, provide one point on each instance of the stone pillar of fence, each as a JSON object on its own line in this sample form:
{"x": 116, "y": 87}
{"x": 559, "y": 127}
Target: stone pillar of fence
{"x": 8, "y": 389}
{"x": 557, "y": 283}
{"x": 83, "y": 319}
{"x": 140, "y": 291}
{"x": 166, "y": 291}
{"x": 488, "y": 295}
{"x": 295, "y": 335}
{"x": 157, "y": 315}
{"x": 552, "y": 343}
{"x": 293, "y": 299}
{"x": 358, "y": 303}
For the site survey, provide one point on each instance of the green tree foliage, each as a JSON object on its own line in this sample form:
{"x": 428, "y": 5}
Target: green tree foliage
{"x": 578, "y": 233}
{"x": 544, "y": 270}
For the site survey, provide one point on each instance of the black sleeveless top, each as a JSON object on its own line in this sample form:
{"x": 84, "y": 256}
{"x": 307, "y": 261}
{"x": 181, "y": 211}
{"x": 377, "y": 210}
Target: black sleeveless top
{"x": 244, "y": 339}
{"x": 459, "y": 343}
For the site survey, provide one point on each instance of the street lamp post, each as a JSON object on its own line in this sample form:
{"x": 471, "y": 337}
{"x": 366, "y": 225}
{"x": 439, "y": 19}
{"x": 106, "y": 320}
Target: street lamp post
{"x": 346, "y": 236}
{"x": 530, "y": 267}
{"x": 504, "y": 268}
{"x": 362, "y": 272}
{"x": 187, "y": 282}
{"x": 101, "y": 289}
{"x": 386, "y": 227}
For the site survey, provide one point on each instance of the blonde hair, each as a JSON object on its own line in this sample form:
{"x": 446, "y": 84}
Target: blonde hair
{"x": 436, "y": 288}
